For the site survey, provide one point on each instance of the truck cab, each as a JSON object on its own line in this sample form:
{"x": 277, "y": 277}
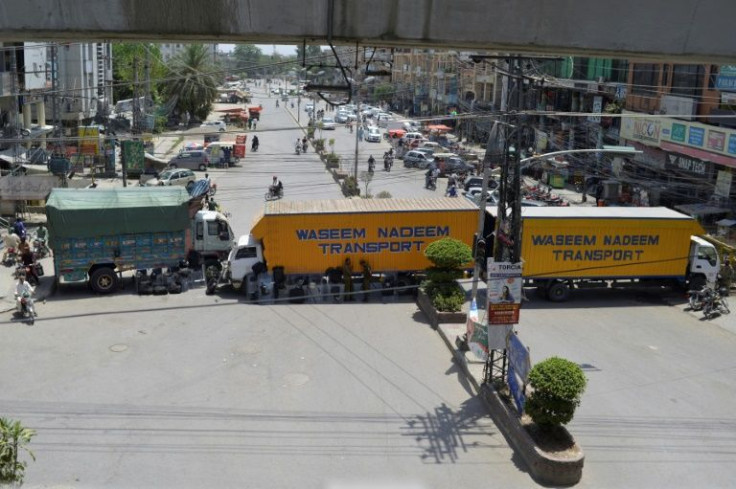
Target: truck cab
{"x": 211, "y": 234}
{"x": 703, "y": 262}
{"x": 243, "y": 256}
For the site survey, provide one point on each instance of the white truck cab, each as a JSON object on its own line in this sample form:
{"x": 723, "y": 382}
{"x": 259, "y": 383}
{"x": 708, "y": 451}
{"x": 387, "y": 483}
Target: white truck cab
{"x": 243, "y": 256}
{"x": 211, "y": 232}
{"x": 704, "y": 264}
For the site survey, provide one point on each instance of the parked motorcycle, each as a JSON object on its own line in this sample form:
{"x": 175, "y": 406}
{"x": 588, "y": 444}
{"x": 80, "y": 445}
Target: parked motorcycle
{"x": 716, "y": 304}
{"x": 697, "y": 298}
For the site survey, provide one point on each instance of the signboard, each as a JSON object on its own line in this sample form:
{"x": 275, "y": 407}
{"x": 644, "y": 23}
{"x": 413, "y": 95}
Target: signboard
{"x": 723, "y": 183}
{"x": 89, "y": 140}
{"x": 688, "y": 165}
{"x": 504, "y": 292}
{"x": 519, "y": 367}
{"x": 726, "y": 79}
{"x": 517, "y": 389}
{"x": 34, "y": 59}
{"x": 656, "y": 131}
{"x": 133, "y": 155}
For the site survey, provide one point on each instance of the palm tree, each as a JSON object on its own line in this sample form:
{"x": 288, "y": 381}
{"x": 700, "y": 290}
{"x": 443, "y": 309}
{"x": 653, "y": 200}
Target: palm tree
{"x": 191, "y": 82}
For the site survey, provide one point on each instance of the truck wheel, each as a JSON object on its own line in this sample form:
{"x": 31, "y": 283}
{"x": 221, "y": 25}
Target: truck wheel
{"x": 558, "y": 292}
{"x": 202, "y": 167}
{"x": 103, "y": 280}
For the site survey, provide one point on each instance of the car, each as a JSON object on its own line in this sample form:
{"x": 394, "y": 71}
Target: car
{"x": 372, "y": 135}
{"x": 328, "y": 123}
{"x": 219, "y": 125}
{"x": 308, "y": 107}
{"x": 412, "y": 137}
{"x": 473, "y": 195}
{"x": 475, "y": 181}
{"x": 417, "y": 159}
{"x": 426, "y": 151}
{"x": 341, "y": 117}
{"x": 194, "y": 160}
{"x": 173, "y": 176}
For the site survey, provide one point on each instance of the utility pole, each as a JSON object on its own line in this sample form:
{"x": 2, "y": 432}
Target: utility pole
{"x": 15, "y": 135}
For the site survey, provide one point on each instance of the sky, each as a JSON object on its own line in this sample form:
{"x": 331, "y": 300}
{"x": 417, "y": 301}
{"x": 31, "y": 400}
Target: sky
{"x": 267, "y": 49}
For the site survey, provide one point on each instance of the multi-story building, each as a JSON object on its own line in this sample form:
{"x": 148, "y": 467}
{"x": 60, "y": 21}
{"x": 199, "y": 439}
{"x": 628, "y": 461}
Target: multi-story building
{"x": 84, "y": 82}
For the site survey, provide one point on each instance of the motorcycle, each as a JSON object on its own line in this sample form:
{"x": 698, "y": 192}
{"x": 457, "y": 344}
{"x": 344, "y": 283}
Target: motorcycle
{"x": 697, "y": 298}
{"x": 430, "y": 183}
{"x": 298, "y": 149}
{"x": 388, "y": 162}
{"x": 40, "y": 248}
{"x": 716, "y": 304}
{"x": 371, "y": 167}
{"x": 32, "y": 271}
{"x": 274, "y": 194}
{"x": 11, "y": 257}
{"x": 304, "y": 147}
{"x": 27, "y": 310}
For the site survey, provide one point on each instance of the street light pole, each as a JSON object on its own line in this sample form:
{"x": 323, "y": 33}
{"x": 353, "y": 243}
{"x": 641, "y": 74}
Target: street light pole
{"x": 357, "y": 139}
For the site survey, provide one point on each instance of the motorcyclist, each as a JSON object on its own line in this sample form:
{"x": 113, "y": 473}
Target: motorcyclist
{"x": 305, "y": 144}
{"x": 20, "y": 228}
{"x": 298, "y": 146}
{"x": 276, "y": 188}
{"x": 24, "y": 289}
{"x": 254, "y": 144}
{"x": 29, "y": 263}
{"x": 388, "y": 160}
{"x": 430, "y": 177}
{"x": 11, "y": 243}
{"x": 371, "y": 163}
{"x": 451, "y": 191}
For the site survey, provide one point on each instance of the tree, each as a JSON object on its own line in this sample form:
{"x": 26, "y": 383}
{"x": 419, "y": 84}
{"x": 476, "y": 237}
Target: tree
{"x": 124, "y": 55}
{"x": 448, "y": 256}
{"x": 13, "y": 439}
{"x": 191, "y": 82}
{"x": 557, "y": 386}
{"x": 248, "y": 59}
{"x": 366, "y": 177}
{"x": 313, "y": 55}
{"x": 384, "y": 92}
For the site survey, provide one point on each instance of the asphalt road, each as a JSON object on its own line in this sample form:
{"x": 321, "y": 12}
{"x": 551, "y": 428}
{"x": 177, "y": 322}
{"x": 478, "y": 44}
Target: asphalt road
{"x": 199, "y": 391}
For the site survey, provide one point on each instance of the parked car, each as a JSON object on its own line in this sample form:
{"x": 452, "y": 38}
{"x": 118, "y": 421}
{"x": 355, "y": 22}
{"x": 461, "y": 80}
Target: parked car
{"x": 219, "y": 125}
{"x": 426, "y": 151}
{"x": 372, "y": 135}
{"x": 478, "y": 182}
{"x": 194, "y": 160}
{"x": 173, "y": 176}
{"x": 328, "y": 123}
{"x": 417, "y": 159}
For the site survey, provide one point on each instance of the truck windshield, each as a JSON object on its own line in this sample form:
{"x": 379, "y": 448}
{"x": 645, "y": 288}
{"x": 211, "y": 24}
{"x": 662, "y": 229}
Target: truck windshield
{"x": 708, "y": 253}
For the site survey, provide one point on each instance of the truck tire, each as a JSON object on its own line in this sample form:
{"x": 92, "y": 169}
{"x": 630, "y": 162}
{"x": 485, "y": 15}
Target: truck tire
{"x": 103, "y": 280}
{"x": 558, "y": 292}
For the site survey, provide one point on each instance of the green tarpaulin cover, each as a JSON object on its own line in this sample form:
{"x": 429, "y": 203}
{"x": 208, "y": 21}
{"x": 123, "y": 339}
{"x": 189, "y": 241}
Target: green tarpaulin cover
{"x": 80, "y": 213}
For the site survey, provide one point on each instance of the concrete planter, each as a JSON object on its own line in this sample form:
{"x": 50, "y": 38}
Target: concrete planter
{"x": 436, "y": 317}
{"x": 546, "y": 468}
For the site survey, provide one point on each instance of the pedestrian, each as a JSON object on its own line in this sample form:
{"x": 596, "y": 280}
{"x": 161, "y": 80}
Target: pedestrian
{"x": 598, "y": 194}
{"x": 367, "y": 278}
{"x": 255, "y": 121}
{"x": 725, "y": 277}
{"x": 347, "y": 277}
{"x": 250, "y": 124}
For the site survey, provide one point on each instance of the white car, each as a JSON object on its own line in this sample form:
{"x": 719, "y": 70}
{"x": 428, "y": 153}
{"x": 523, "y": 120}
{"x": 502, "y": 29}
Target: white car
{"x": 372, "y": 135}
{"x": 328, "y": 123}
{"x": 219, "y": 125}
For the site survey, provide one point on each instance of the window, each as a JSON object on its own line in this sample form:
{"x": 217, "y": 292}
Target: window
{"x": 247, "y": 252}
{"x": 646, "y": 79}
{"x": 213, "y": 228}
{"x": 200, "y": 230}
{"x": 687, "y": 80}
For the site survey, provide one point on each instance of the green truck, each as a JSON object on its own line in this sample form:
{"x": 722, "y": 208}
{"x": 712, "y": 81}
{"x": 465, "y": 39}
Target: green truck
{"x": 96, "y": 234}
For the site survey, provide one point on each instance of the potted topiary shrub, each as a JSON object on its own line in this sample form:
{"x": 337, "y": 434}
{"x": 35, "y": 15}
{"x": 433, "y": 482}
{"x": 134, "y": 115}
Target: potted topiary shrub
{"x": 440, "y": 296}
{"x": 350, "y": 187}
{"x": 557, "y": 385}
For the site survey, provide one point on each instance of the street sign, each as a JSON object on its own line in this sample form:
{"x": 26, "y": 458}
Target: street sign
{"x": 517, "y": 389}
{"x": 518, "y": 357}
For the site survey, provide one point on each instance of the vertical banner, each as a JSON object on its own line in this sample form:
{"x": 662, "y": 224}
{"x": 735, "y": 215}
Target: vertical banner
{"x": 519, "y": 367}
{"x": 504, "y": 292}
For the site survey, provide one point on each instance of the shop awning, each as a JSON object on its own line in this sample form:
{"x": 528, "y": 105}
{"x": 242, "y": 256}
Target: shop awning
{"x": 439, "y": 128}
